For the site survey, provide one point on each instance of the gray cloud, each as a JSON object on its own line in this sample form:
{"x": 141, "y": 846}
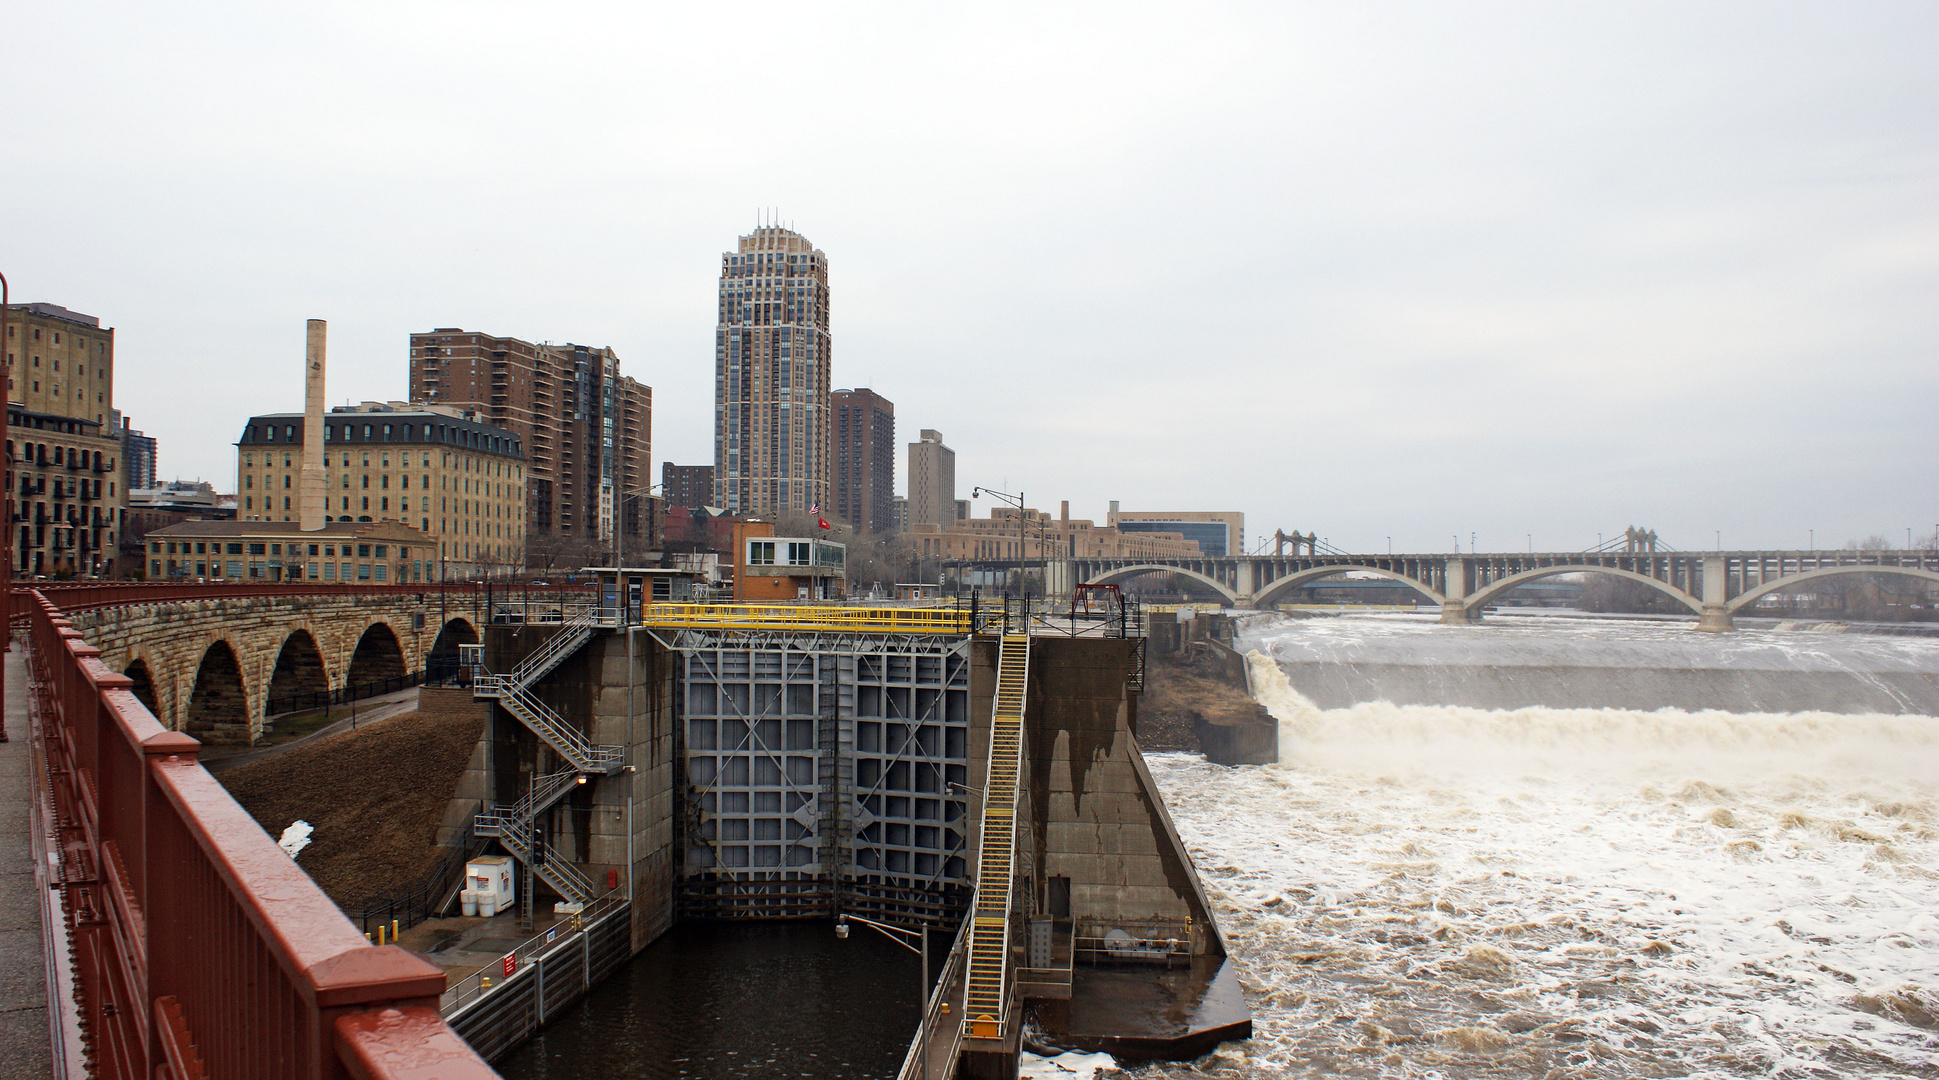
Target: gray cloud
{"x": 1405, "y": 270}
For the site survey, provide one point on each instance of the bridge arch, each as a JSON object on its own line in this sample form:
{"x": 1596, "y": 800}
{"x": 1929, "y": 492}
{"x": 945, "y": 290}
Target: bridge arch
{"x": 1123, "y": 573}
{"x": 1280, "y": 586}
{"x": 219, "y": 702}
{"x": 299, "y": 673}
{"x": 378, "y": 655}
{"x": 1488, "y": 593}
{"x": 456, "y": 631}
{"x": 1752, "y": 596}
{"x": 144, "y": 684}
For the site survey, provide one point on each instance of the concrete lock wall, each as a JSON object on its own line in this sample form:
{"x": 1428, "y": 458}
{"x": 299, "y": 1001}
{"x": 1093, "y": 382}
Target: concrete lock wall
{"x": 170, "y": 641}
{"x": 1098, "y": 817}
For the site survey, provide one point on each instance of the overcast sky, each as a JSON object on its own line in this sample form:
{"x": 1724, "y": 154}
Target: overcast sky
{"x": 1370, "y": 270}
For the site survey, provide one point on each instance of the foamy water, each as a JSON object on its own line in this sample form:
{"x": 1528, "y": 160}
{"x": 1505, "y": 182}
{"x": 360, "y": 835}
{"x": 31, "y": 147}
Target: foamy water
{"x": 1439, "y": 891}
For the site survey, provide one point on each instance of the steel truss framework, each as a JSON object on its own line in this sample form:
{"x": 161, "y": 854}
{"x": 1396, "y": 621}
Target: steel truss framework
{"x": 818, "y": 773}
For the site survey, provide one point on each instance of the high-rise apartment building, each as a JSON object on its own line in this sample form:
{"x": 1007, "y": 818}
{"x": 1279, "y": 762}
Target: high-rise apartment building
{"x": 771, "y": 375}
{"x": 587, "y": 429}
{"x": 864, "y": 460}
{"x": 687, "y": 485}
{"x": 932, "y": 481}
{"x": 138, "y": 458}
{"x": 67, "y": 487}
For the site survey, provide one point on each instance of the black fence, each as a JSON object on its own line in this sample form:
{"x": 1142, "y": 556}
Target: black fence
{"x": 323, "y": 698}
{"x": 445, "y": 670}
{"x": 419, "y": 901}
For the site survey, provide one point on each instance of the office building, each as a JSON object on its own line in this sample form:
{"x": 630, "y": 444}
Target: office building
{"x": 67, "y": 483}
{"x": 368, "y": 552}
{"x": 687, "y": 485}
{"x": 864, "y": 460}
{"x": 772, "y": 433}
{"x": 1001, "y": 537}
{"x": 932, "y": 481}
{"x": 586, "y": 429}
{"x": 1218, "y": 532}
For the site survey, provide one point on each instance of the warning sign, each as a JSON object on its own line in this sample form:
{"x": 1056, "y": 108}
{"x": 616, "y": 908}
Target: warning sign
{"x": 511, "y": 963}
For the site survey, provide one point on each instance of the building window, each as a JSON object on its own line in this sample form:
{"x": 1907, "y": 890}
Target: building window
{"x": 760, "y": 553}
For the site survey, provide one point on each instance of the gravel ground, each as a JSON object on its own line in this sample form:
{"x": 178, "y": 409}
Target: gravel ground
{"x": 374, "y": 795}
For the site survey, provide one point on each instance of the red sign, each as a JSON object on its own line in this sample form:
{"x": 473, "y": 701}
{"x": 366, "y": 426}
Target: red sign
{"x": 511, "y": 963}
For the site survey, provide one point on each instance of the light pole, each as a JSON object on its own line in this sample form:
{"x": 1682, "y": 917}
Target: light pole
{"x": 619, "y": 526}
{"x": 1023, "y": 575}
{"x": 901, "y": 937}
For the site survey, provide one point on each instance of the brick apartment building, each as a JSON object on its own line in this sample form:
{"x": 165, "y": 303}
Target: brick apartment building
{"x": 586, "y": 429}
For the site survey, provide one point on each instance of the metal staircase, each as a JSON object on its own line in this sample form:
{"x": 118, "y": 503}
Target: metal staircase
{"x": 514, "y": 691}
{"x": 537, "y": 857}
{"x": 516, "y": 825}
{"x": 988, "y": 990}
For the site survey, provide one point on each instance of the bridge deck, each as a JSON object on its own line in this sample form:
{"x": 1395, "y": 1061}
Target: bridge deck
{"x": 24, "y": 1031}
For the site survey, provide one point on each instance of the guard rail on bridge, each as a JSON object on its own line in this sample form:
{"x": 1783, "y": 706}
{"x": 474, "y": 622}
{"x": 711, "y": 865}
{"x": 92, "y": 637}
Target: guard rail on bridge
{"x": 181, "y": 941}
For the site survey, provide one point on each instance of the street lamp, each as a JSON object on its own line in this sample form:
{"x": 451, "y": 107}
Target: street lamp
{"x": 619, "y": 525}
{"x": 901, "y": 937}
{"x": 1023, "y": 575}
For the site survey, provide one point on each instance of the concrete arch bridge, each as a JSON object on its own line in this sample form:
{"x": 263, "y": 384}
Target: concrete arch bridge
{"x": 212, "y": 661}
{"x": 1715, "y": 586}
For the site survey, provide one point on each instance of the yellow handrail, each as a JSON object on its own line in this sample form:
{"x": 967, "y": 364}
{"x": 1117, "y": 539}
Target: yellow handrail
{"x": 808, "y": 617}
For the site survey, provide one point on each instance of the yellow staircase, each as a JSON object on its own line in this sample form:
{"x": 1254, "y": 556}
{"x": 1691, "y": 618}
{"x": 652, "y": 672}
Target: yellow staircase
{"x": 989, "y": 950}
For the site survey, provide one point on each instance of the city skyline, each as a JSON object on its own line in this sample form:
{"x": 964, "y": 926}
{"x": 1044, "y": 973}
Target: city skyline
{"x": 1452, "y": 272}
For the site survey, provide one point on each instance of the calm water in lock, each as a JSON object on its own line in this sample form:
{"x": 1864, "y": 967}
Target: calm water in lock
{"x": 717, "y": 1001}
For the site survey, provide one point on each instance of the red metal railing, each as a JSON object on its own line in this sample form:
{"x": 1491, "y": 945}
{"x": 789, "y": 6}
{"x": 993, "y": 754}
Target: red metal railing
{"x": 197, "y": 947}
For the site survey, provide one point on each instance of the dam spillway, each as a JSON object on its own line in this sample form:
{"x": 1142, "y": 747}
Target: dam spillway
{"x": 1446, "y": 873}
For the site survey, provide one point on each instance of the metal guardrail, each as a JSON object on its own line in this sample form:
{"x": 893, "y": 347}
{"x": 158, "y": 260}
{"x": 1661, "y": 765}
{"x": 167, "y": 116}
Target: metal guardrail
{"x": 558, "y": 872}
{"x": 193, "y": 946}
{"x": 584, "y": 754}
{"x": 936, "y": 1020}
{"x": 483, "y": 982}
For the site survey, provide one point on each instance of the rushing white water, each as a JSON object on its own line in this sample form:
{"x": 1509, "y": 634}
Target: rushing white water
{"x": 1427, "y": 890}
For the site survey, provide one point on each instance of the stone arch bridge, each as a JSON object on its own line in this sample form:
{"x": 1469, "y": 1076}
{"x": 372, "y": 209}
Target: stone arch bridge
{"x": 1713, "y": 585}
{"x": 215, "y": 660}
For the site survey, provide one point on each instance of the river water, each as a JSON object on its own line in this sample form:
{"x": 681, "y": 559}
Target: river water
{"x": 1525, "y": 849}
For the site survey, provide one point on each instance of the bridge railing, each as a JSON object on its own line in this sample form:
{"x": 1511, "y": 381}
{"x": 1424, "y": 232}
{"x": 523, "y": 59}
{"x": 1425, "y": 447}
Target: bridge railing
{"x": 197, "y": 947}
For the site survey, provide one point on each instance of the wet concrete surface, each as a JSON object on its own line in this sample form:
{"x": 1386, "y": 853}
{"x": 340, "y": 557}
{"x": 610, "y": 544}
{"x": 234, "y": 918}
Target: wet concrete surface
{"x": 1145, "y": 1012}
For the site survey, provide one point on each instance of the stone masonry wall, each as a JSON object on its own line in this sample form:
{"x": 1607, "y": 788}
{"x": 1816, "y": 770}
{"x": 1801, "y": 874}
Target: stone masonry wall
{"x": 172, "y": 640}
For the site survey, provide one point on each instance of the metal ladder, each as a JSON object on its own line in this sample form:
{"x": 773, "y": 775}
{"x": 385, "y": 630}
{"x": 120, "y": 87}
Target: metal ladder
{"x": 988, "y": 978}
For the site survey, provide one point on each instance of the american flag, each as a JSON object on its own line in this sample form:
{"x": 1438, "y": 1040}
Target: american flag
{"x": 815, "y": 509}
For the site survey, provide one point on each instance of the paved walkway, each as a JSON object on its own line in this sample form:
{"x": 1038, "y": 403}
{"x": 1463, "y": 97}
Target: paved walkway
{"x": 24, "y": 1035}
{"x": 219, "y": 759}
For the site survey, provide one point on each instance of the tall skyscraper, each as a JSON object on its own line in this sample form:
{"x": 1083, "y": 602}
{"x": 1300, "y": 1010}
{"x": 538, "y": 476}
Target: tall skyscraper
{"x": 864, "y": 460}
{"x": 587, "y": 430}
{"x": 772, "y": 433}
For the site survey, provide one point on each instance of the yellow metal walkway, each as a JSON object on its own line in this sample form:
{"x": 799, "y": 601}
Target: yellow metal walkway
{"x": 989, "y": 951}
{"x": 811, "y": 618}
